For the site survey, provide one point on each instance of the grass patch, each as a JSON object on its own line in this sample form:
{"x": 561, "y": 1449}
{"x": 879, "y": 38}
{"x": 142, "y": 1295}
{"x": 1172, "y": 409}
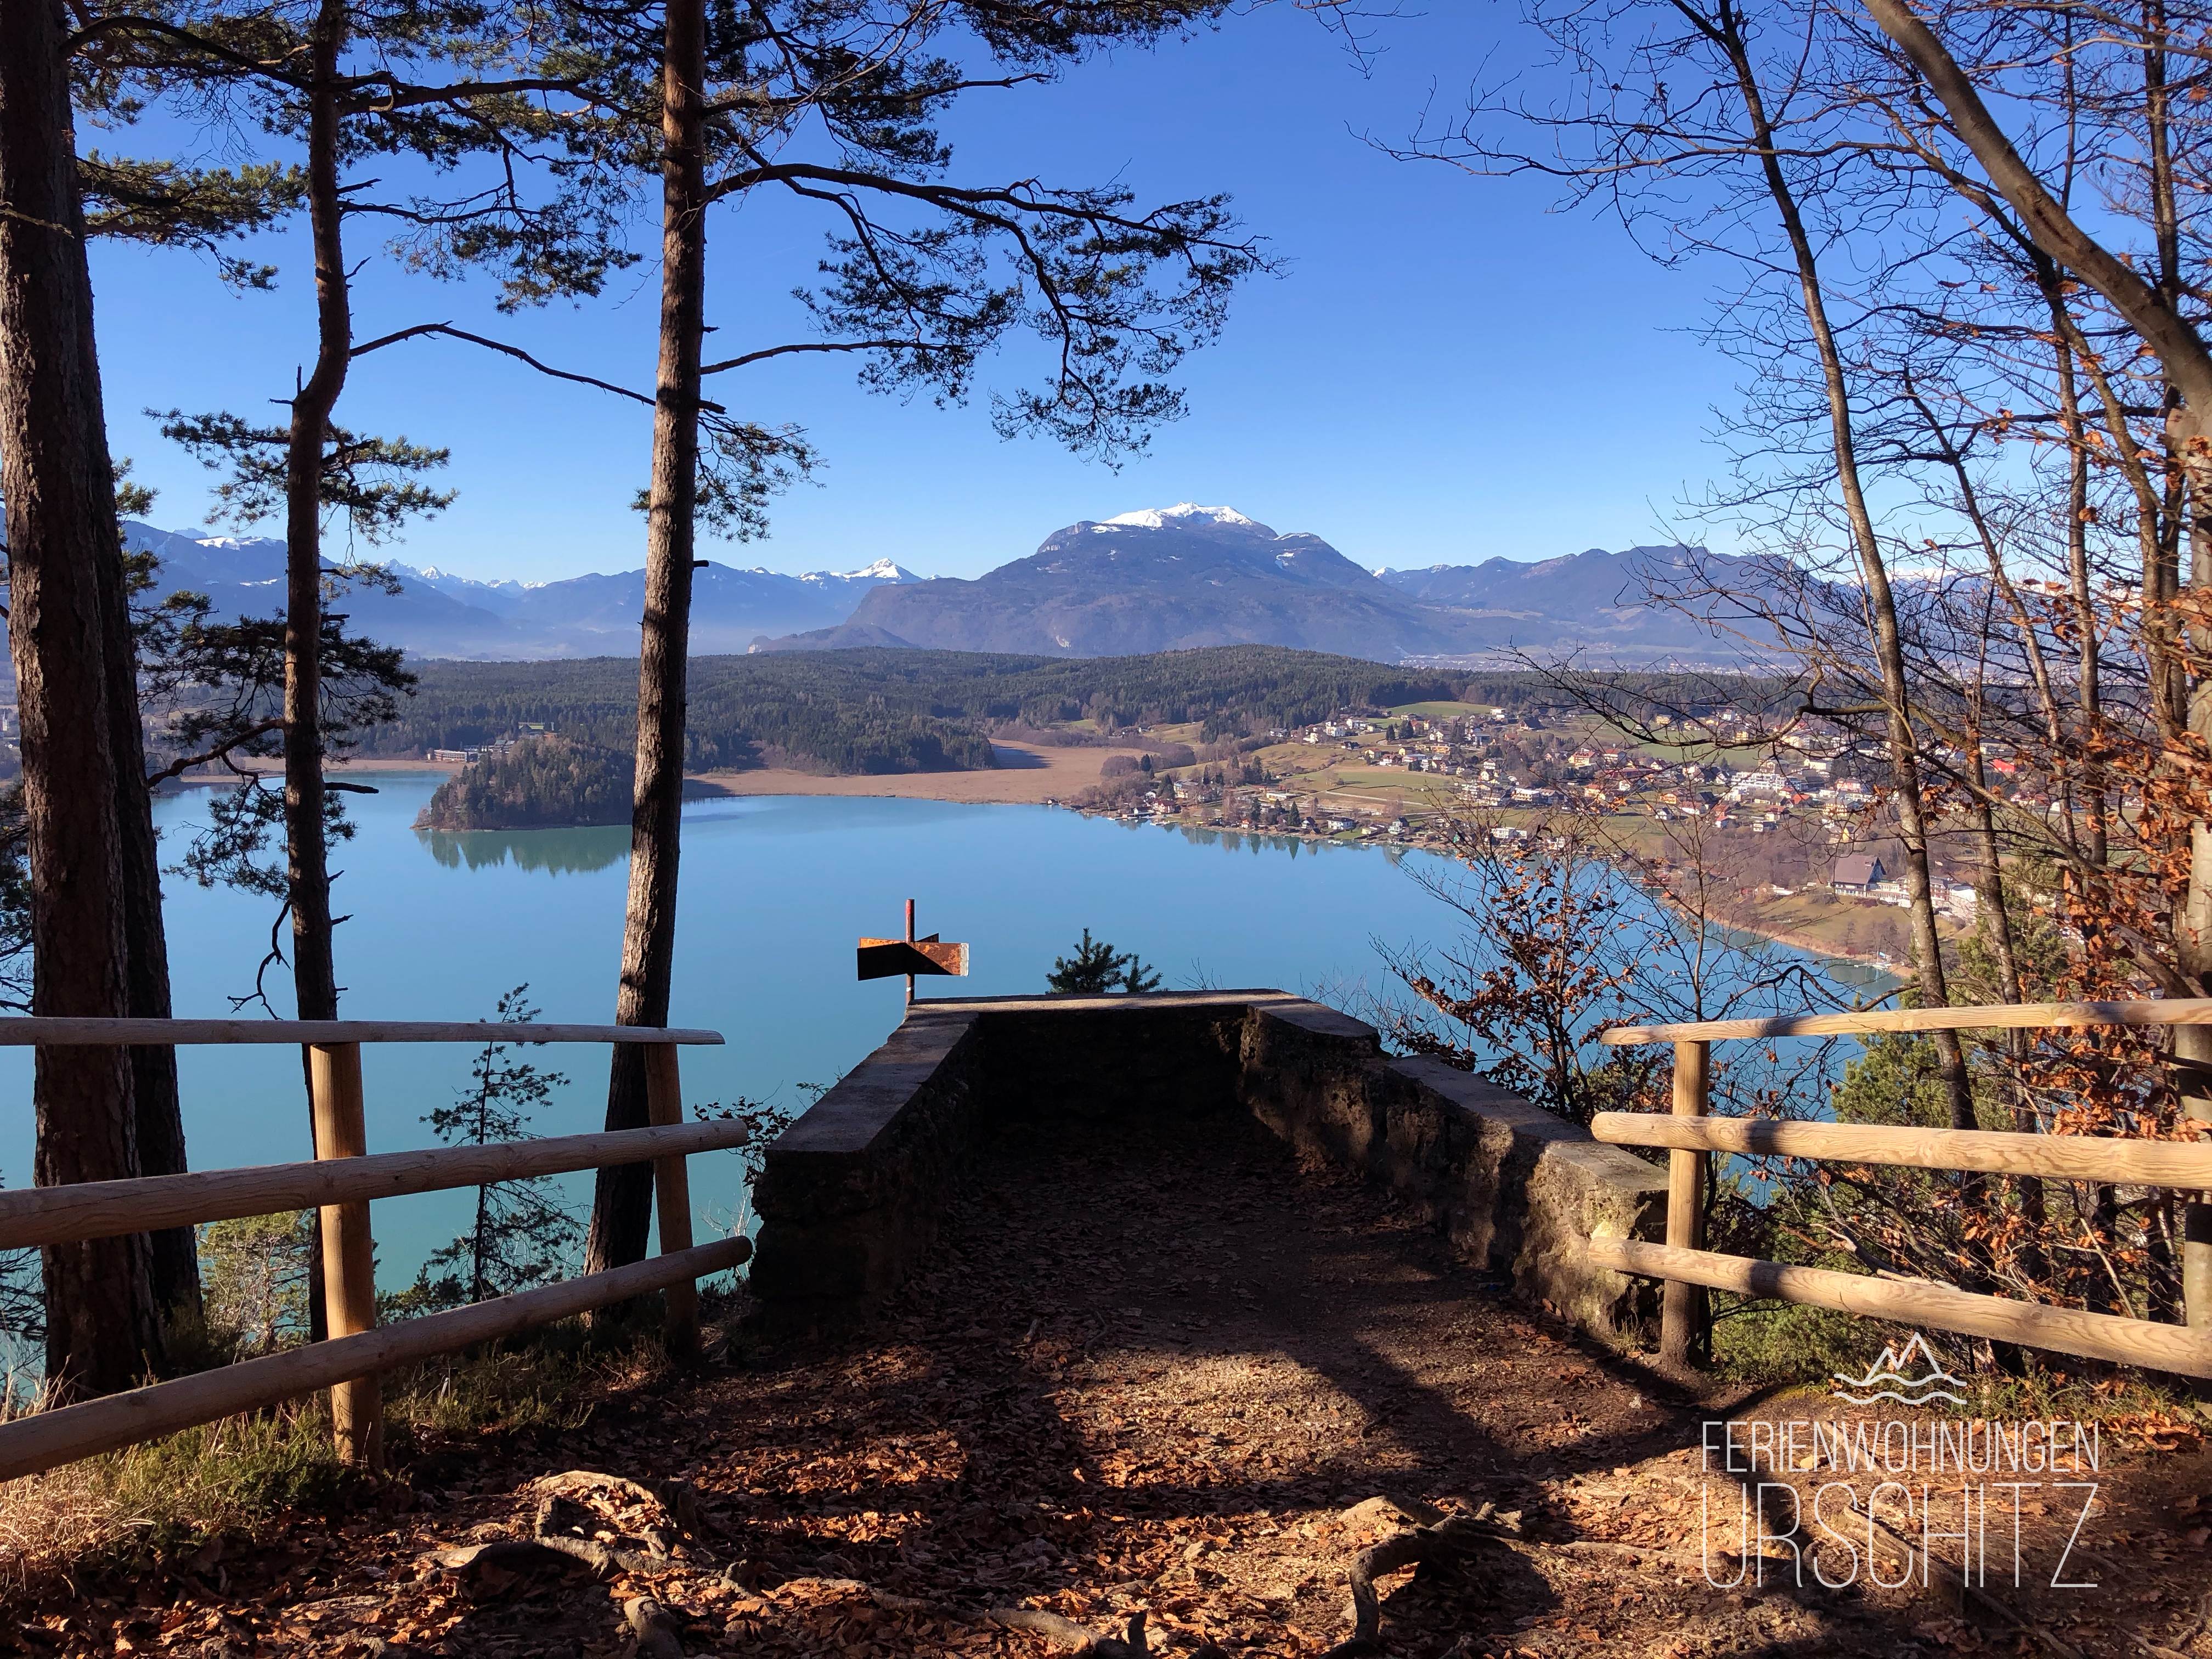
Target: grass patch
{"x": 245, "y": 1474}
{"x": 1784, "y": 1342}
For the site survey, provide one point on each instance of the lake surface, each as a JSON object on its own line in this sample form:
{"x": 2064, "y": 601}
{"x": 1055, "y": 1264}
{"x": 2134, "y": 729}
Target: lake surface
{"x": 775, "y": 891}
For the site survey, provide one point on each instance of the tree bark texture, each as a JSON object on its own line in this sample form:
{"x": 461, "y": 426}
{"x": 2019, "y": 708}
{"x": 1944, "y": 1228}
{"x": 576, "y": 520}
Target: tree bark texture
{"x": 161, "y": 1124}
{"x": 622, "y": 1203}
{"x": 60, "y": 491}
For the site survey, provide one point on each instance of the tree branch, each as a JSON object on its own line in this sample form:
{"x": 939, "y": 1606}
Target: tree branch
{"x": 447, "y": 329}
{"x": 271, "y": 68}
{"x": 2180, "y": 349}
{"x": 816, "y": 345}
{"x": 222, "y": 751}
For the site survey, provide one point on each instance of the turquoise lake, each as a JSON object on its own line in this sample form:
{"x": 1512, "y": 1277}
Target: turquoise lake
{"x": 775, "y": 891}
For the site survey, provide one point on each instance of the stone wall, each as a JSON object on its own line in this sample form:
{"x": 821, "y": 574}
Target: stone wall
{"x": 851, "y": 1193}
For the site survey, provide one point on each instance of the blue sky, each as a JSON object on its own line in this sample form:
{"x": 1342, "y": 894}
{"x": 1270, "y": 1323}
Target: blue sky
{"x": 1449, "y": 370}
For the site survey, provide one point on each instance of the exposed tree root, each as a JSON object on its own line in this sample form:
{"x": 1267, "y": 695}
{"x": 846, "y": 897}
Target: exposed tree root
{"x": 655, "y": 1628}
{"x": 1066, "y": 1633}
{"x": 1640, "y": 1552}
{"x": 565, "y": 1525}
{"x": 676, "y": 1499}
{"x": 1063, "y": 1632}
{"x": 1439, "y": 1539}
{"x": 562, "y": 1537}
{"x": 507, "y": 1554}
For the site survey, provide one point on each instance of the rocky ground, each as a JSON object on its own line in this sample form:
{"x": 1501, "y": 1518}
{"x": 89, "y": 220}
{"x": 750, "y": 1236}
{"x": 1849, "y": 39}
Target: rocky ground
{"x": 1171, "y": 1373}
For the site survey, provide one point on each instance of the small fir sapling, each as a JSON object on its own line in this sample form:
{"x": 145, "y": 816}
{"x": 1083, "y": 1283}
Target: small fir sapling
{"x": 522, "y": 1235}
{"x": 1098, "y": 967}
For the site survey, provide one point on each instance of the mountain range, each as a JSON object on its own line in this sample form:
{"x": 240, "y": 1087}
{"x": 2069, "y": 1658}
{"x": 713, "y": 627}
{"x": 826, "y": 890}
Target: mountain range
{"x": 437, "y": 614}
{"x": 1170, "y": 579}
{"x": 1163, "y": 578}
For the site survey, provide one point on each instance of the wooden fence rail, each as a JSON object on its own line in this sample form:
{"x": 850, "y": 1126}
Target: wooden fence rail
{"x": 1990, "y": 1016}
{"x": 339, "y": 1185}
{"x": 1921, "y": 1303}
{"x": 1692, "y": 1136}
{"x": 49, "y": 1439}
{"x": 103, "y": 1209}
{"x": 193, "y": 1033}
{"x": 1992, "y": 1152}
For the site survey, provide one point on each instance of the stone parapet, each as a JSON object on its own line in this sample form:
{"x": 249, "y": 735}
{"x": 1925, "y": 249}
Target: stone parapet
{"x": 850, "y": 1196}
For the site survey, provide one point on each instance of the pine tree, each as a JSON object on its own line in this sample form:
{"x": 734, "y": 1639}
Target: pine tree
{"x": 522, "y": 1234}
{"x": 255, "y": 1270}
{"x": 58, "y": 485}
{"x": 1096, "y": 967}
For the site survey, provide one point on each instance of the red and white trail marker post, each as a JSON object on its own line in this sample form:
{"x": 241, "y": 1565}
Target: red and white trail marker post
{"x": 881, "y": 958}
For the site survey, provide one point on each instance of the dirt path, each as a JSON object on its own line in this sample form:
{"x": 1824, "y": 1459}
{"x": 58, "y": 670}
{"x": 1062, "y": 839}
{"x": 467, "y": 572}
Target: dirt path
{"x": 1148, "y": 1370}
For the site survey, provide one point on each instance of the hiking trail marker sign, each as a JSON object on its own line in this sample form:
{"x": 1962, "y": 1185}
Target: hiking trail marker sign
{"x": 882, "y": 958}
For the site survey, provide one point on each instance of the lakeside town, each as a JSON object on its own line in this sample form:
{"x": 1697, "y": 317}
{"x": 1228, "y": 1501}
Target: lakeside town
{"x": 1798, "y": 808}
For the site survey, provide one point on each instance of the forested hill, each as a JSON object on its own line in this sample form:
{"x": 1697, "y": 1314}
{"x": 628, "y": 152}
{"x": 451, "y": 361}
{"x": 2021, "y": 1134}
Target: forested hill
{"x": 539, "y": 783}
{"x": 846, "y": 711}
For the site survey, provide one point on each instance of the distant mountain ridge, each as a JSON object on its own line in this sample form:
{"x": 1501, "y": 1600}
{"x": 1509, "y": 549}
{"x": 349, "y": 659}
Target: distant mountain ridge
{"x": 1552, "y": 587}
{"x": 1159, "y": 578}
{"x": 1187, "y": 576}
{"x": 438, "y": 614}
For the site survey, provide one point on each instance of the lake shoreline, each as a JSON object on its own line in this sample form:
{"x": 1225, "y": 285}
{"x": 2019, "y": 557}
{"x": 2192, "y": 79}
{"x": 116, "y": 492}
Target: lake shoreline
{"x": 1029, "y": 774}
{"x": 1038, "y": 776}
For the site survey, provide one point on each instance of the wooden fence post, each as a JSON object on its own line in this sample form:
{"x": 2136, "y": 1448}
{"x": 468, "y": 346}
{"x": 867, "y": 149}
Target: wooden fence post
{"x": 2192, "y": 1081}
{"x": 672, "y": 1182}
{"x": 349, "y": 1252}
{"x": 1682, "y": 1324}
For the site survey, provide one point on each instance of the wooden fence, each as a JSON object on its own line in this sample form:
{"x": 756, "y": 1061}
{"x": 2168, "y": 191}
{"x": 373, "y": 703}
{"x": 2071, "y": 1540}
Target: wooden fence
{"x": 1693, "y": 1136}
{"x": 339, "y": 1184}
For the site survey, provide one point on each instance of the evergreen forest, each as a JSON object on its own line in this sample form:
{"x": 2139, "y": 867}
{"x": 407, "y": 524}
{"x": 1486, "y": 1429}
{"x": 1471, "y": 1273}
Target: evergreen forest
{"x": 872, "y": 712}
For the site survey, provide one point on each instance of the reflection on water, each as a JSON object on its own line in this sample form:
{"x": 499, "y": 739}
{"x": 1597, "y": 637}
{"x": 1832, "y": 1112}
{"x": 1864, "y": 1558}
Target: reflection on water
{"x": 558, "y": 852}
{"x": 1234, "y": 839}
{"x": 1259, "y": 840}
{"x": 1876, "y": 982}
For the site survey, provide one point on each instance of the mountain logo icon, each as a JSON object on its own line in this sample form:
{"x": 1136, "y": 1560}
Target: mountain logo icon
{"x": 1889, "y": 1378}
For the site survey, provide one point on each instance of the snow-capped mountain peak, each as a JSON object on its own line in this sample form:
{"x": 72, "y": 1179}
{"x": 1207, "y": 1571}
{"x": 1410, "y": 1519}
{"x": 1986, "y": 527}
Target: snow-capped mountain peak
{"x": 442, "y": 613}
{"x": 1186, "y": 515}
{"x": 883, "y": 570}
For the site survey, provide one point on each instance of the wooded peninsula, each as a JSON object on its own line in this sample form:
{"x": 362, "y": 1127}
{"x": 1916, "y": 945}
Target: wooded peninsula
{"x": 540, "y": 783}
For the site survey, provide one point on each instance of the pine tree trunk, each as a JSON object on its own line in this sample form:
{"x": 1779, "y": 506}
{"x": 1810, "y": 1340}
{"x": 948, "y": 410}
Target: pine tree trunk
{"x": 307, "y": 852}
{"x": 60, "y": 493}
{"x": 314, "y": 976}
{"x": 161, "y": 1124}
{"x": 622, "y": 1202}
